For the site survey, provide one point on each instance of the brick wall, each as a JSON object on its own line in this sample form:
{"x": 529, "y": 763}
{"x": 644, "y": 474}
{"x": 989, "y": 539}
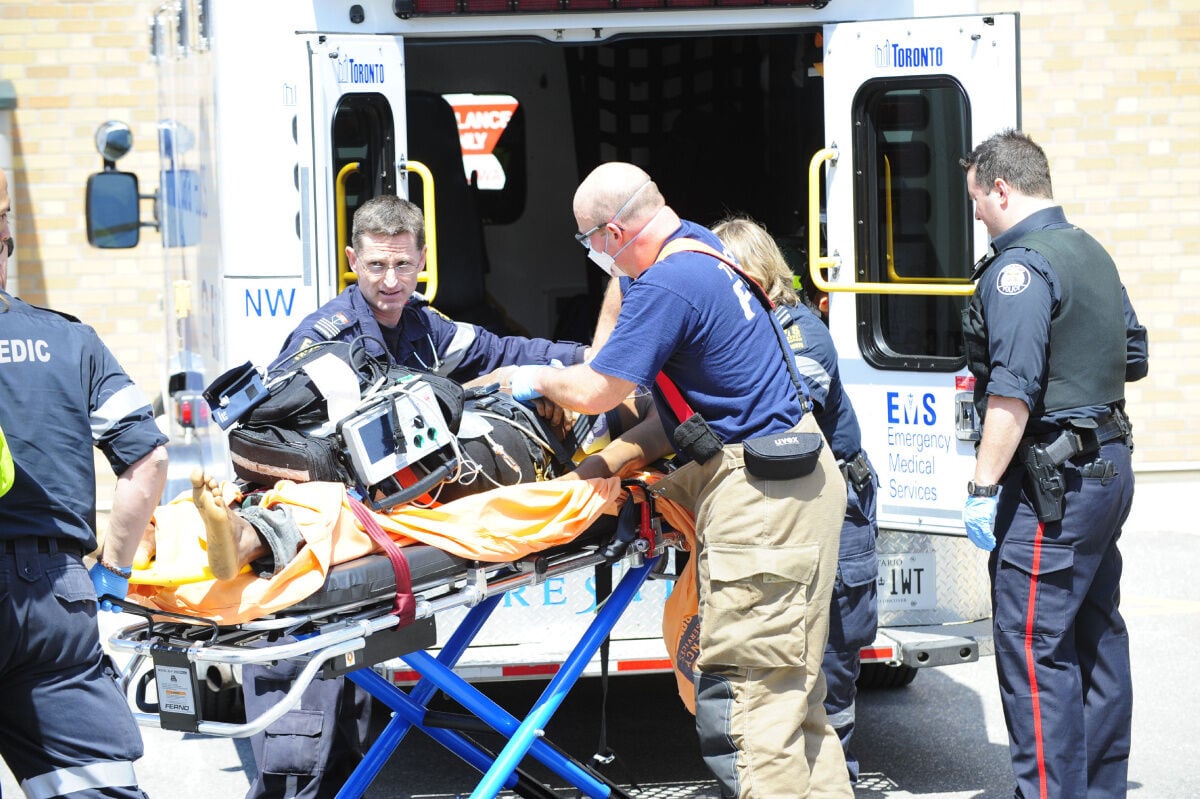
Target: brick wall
{"x": 1112, "y": 90}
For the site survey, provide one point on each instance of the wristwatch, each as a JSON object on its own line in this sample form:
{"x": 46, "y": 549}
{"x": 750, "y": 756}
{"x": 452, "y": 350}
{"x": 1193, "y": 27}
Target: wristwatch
{"x": 976, "y": 490}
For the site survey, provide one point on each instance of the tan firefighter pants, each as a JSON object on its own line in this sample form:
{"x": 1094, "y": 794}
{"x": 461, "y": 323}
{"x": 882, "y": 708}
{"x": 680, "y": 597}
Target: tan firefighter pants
{"x": 767, "y": 560}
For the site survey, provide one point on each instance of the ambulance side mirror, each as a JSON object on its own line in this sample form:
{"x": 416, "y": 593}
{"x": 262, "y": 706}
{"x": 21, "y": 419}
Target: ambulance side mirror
{"x": 112, "y": 210}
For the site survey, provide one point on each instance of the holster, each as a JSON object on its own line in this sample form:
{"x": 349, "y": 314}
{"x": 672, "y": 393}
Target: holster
{"x": 857, "y": 471}
{"x": 1044, "y": 484}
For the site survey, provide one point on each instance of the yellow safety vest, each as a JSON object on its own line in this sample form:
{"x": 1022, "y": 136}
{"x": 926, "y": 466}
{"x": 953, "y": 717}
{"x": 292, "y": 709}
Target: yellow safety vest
{"x": 7, "y": 471}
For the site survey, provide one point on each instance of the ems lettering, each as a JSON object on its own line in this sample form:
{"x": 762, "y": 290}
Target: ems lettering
{"x": 909, "y": 411}
{"x": 277, "y": 304}
{"x": 23, "y": 350}
{"x": 913, "y": 446}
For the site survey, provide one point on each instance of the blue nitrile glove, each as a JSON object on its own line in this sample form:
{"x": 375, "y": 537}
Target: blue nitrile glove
{"x": 107, "y": 581}
{"x": 521, "y": 382}
{"x": 979, "y": 517}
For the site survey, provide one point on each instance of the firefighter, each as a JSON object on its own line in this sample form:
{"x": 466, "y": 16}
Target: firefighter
{"x": 1052, "y": 339}
{"x": 692, "y": 328}
{"x": 65, "y": 727}
{"x": 854, "y": 613}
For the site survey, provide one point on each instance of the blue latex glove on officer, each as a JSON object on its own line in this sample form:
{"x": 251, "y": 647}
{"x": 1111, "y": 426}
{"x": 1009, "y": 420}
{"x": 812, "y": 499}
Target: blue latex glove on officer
{"x": 979, "y": 517}
{"x": 106, "y": 581}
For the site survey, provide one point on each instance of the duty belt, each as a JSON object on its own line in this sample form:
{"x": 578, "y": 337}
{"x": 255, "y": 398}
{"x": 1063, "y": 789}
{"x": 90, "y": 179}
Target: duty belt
{"x": 1082, "y": 437}
{"x": 857, "y": 471}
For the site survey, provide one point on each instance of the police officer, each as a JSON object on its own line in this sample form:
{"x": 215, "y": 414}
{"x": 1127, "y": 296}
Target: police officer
{"x": 309, "y": 753}
{"x": 383, "y": 310}
{"x": 1052, "y": 339}
{"x": 767, "y": 545}
{"x": 854, "y": 612}
{"x": 65, "y": 727}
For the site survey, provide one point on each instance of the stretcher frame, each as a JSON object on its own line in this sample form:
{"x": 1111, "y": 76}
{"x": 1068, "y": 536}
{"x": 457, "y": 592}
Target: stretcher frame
{"x": 341, "y": 643}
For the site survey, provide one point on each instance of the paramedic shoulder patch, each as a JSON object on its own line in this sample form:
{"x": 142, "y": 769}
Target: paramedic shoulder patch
{"x": 1013, "y": 279}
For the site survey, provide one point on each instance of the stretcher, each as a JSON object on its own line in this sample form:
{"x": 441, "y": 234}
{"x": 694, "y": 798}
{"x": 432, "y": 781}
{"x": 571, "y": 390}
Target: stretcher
{"x": 356, "y": 621}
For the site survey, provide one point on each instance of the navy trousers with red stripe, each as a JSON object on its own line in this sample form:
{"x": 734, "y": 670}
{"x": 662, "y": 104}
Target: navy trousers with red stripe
{"x": 1062, "y": 650}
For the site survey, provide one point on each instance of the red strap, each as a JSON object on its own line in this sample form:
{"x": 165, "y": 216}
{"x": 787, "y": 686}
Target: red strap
{"x": 674, "y": 398}
{"x": 406, "y": 603}
{"x": 695, "y": 245}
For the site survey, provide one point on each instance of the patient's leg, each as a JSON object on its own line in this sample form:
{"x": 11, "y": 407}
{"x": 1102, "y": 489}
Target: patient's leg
{"x": 232, "y": 541}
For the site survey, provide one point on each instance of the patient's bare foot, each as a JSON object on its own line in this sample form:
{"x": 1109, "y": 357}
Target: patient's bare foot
{"x": 232, "y": 541}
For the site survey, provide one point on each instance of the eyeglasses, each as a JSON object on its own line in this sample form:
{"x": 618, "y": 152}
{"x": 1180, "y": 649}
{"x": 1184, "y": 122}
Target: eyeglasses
{"x": 582, "y": 238}
{"x": 379, "y": 270}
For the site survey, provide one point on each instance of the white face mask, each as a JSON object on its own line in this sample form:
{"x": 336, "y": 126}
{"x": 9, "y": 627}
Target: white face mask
{"x": 609, "y": 262}
{"x": 603, "y": 259}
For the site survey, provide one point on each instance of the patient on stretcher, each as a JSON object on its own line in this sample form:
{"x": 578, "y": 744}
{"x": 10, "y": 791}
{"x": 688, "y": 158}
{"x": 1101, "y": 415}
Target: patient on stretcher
{"x": 266, "y": 536}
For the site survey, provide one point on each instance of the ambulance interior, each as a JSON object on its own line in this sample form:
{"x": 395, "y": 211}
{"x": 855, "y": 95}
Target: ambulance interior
{"x": 725, "y": 124}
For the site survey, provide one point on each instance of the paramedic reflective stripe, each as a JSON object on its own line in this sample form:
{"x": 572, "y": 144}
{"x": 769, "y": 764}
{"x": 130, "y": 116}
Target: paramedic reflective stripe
{"x": 116, "y": 407}
{"x": 464, "y": 337}
{"x": 64, "y": 781}
{"x": 812, "y": 371}
{"x": 809, "y": 368}
{"x": 843, "y": 719}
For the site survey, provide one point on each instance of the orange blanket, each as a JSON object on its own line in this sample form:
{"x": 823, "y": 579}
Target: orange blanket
{"x": 499, "y": 525}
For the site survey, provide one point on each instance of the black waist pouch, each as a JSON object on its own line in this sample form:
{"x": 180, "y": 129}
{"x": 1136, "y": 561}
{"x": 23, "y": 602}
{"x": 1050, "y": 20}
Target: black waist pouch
{"x": 695, "y": 439}
{"x": 782, "y": 456}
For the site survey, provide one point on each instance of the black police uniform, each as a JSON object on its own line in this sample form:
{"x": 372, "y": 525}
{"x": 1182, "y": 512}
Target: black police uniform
{"x": 854, "y": 613}
{"x": 311, "y": 751}
{"x": 1051, "y": 324}
{"x": 65, "y": 727}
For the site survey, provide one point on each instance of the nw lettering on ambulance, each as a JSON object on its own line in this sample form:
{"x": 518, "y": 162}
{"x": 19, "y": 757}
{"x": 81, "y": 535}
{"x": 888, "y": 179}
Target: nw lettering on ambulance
{"x": 277, "y": 304}
{"x": 351, "y": 71}
{"x": 889, "y": 55}
{"x": 23, "y": 350}
{"x": 912, "y": 448}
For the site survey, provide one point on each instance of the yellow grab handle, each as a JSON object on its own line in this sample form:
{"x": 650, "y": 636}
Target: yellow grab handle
{"x": 430, "y": 274}
{"x": 817, "y": 262}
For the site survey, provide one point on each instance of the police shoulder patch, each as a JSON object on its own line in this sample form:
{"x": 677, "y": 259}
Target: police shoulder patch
{"x": 1013, "y": 279}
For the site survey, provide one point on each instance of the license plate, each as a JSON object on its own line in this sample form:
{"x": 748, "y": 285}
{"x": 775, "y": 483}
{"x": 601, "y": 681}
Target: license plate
{"x": 907, "y": 581}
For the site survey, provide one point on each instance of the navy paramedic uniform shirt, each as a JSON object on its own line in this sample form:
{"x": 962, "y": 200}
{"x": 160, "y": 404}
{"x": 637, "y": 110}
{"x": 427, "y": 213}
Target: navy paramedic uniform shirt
{"x": 424, "y": 339}
{"x": 817, "y": 362}
{"x": 1018, "y": 319}
{"x": 59, "y": 388}
{"x": 692, "y": 318}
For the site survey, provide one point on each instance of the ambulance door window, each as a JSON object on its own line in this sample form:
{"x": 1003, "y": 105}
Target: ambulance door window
{"x": 364, "y": 150}
{"x": 913, "y": 218}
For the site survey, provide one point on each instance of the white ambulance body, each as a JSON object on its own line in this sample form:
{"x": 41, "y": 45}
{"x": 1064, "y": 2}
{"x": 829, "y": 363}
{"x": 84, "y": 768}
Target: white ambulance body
{"x": 838, "y": 125}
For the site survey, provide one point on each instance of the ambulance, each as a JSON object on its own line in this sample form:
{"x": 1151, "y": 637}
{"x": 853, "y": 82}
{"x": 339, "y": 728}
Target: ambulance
{"x": 838, "y": 125}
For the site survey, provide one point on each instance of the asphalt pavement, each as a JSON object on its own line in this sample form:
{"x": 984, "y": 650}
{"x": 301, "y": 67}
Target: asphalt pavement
{"x": 942, "y": 737}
